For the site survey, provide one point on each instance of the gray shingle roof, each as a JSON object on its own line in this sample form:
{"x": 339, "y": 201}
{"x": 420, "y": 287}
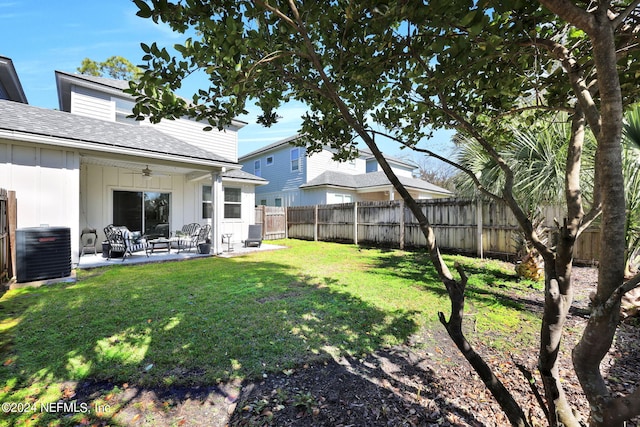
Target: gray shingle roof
{"x": 98, "y": 134}
{"x": 240, "y": 174}
{"x": 368, "y": 180}
{"x": 270, "y": 146}
{"x": 105, "y": 81}
{"x": 364, "y": 153}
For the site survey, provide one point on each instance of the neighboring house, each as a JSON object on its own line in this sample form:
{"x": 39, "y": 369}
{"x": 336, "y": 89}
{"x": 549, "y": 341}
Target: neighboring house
{"x": 296, "y": 179}
{"x": 88, "y": 165}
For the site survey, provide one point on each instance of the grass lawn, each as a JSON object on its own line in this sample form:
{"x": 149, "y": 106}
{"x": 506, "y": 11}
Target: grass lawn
{"x": 204, "y": 321}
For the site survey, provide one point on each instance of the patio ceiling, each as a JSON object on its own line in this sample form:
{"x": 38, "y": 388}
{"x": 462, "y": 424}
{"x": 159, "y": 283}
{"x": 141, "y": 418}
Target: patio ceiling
{"x": 139, "y": 164}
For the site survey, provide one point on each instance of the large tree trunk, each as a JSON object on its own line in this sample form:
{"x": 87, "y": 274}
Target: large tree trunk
{"x": 606, "y": 410}
{"x": 602, "y": 325}
{"x": 558, "y": 296}
{"x": 558, "y": 287}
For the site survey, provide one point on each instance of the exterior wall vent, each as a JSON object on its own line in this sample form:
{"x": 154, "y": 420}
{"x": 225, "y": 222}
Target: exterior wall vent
{"x": 43, "y": 253}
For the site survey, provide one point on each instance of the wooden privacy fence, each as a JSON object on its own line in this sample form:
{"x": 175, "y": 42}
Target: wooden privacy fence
{"x": 462, "y": 226}
{"x": 273, "y": 220}
{"x": 7, "y": 234}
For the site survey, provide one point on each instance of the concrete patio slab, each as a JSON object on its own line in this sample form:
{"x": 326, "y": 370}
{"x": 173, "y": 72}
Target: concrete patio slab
{"x": 94, "y": 261}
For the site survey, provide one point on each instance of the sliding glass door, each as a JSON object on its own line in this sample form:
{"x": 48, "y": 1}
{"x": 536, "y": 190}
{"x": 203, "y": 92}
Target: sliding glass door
{"x": 142, "y": 211}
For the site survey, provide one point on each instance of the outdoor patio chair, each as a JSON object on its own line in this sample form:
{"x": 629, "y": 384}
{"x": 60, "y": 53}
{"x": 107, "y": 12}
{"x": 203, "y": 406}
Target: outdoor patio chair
{"x": 187, "y": 237}
{"x": 255, "y": 235}
{"x": 204, "y": 237}
{"x": 123, "y": 241}
{"x": 88, "y": 241}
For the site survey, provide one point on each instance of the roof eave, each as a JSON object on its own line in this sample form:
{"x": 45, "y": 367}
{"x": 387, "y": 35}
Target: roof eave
{"x": 245, "y": 180}
{"x": 305, "y": 186}
{"x": 88, "y": 146}
{"x": 271, "y": 147}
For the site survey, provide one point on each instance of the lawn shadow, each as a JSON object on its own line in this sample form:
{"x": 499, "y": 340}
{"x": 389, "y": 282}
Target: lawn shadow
{"x": 388, "y": 387}
{"x": 417, "y": 267}
{"x": 115, "y": 338}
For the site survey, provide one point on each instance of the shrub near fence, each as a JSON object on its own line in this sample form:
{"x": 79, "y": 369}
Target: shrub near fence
{"x": 460, "y": 226}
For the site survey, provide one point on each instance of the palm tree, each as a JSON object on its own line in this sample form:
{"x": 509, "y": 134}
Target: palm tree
{"x": 631, "y": 171}
{"x": 537, "y": 156}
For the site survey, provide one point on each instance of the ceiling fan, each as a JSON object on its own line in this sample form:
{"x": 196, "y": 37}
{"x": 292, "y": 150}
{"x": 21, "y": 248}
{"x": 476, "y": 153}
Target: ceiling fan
{"x": 147, "y": 173}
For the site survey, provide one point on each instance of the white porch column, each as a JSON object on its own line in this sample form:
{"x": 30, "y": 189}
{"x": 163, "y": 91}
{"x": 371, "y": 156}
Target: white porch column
{"x": 218, "y": 211}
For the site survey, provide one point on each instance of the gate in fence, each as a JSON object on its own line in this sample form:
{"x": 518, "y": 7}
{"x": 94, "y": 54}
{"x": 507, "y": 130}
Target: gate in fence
{"x": 273, "y": 220}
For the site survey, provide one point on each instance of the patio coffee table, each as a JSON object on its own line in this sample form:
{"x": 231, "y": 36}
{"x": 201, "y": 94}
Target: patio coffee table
{"x": 159, "y": 243}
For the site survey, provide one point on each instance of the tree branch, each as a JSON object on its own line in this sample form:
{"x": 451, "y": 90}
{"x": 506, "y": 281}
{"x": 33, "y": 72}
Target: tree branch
{"x": 619, "y": 20}
{"x": 530, "y": 108}
{"x": 507, "y": 190}
{"x": 580, "y": 87}
{"x": 442, "y": 159}
{"x": 453, "y": 326}
{"x": 567, "y": 10}
{"x": 616, "y": 296}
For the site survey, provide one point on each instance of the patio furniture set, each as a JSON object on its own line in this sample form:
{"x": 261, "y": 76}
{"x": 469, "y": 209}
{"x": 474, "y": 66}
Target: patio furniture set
{"x": 122, "y": 241}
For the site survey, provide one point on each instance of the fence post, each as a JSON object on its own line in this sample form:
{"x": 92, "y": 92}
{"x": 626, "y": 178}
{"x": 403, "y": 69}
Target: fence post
{"x": 286, "y": 222}
{"x": 479, "y": 226}
{"x": 315, "y": 223}
{"x": 401, "y": 208}
{"x": 355, "y": 223}
{"x": 12, "y": 208}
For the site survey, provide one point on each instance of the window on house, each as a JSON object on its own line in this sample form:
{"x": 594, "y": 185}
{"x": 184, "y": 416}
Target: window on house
{"x": 124, "y": 108}
{"x": 263, "y": 202}
{"x": 344, "y": 198}
{"x": 269, "y": 160}
{"x": 232, "y": 202}
{"x": 295, "y": 159}
{"x": 256, "y": 168}
{"x": 207, "y": 202}
{"x": 278, "y": 202}
{"x": 140, "y": 211}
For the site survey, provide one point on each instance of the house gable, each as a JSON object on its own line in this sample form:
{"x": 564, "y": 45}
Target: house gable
{"x": 10, "y": 86}
{"x": 104, "y": 99}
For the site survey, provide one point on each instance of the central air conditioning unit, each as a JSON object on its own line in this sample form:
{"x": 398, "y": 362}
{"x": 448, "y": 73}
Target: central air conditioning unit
{"x": 43, "y": 253}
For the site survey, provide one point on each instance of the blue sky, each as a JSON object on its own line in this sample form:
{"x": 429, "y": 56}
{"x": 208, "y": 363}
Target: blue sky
{"x": 42, "y": 36}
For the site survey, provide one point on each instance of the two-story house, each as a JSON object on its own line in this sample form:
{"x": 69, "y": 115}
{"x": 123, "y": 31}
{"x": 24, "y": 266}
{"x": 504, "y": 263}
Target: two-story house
{"x": 88, "y": 165}
{"x": 296, "y": 179}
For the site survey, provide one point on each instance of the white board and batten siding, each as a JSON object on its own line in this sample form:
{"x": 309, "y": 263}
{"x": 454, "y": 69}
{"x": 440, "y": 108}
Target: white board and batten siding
{"x": 239, "y": 227}
{"x": 43, "y": 177}
{"x": 99, "y": 182}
